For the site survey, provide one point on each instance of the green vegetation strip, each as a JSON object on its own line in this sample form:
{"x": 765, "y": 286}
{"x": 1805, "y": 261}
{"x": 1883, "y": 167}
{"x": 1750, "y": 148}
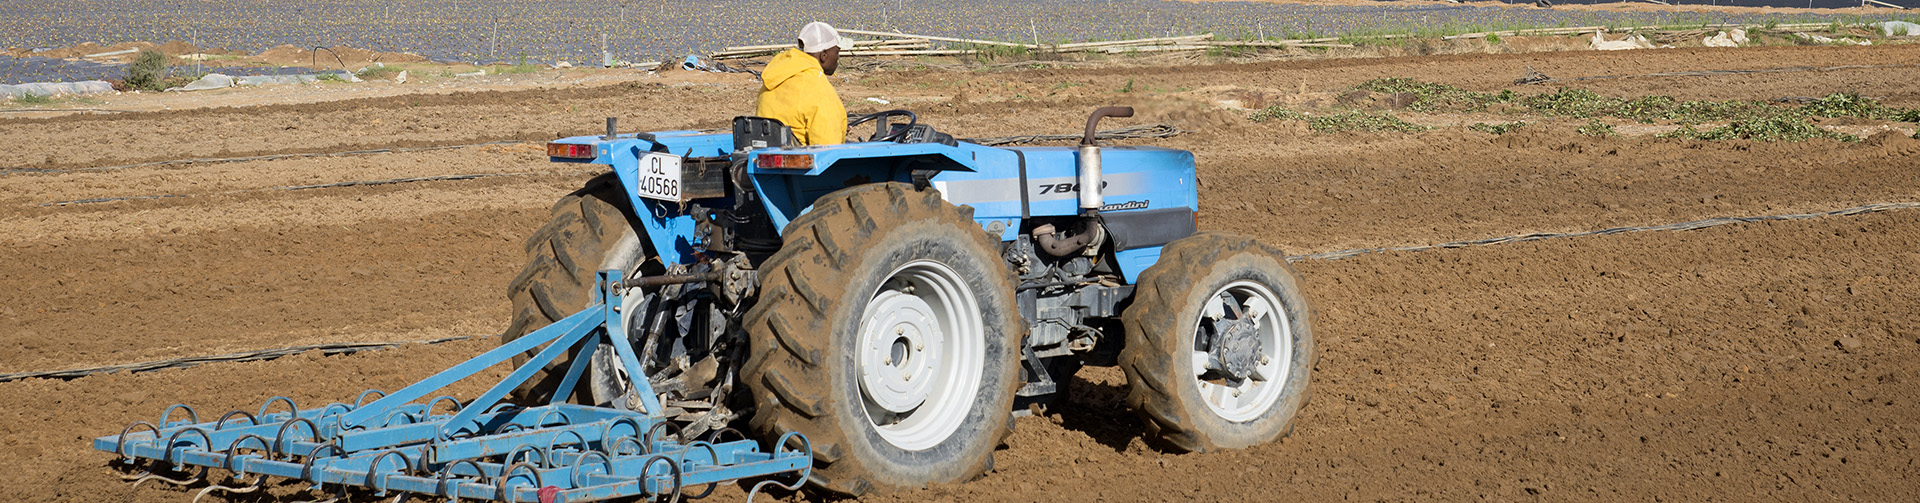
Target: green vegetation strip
{"x": 1746, "y": 119}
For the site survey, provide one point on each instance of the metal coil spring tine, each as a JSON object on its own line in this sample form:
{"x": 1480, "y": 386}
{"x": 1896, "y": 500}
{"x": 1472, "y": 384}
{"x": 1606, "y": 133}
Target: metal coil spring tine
{"x": 457, "y": 406}
{"x": 503, "y": 407}
{"x": 508, "y": 475}
{"x": 388, "y": 421}
{"x": 606, "y": 434}
{"x": 178, "y": 482}
{"x": 361, "y": 401}
{"x": 778, "y": 446}
{"x": 677, "y": 475}
{"x": 711, "y": 454}
{"x": 293, "y": 411}
{"x": 379, "y": 483}
{"x": 258, "y": 482}
{"x": 579, "y": 467}
{"x": 306, "y": 468}
{"x": 120, "y": 446}
{"x": 714, "y": 437}
{"x": 344, "y": 408}
{"x": 639, "y": 447}
{"x": 656, "y": 429}
{"x": 446, "y": 475}
{"x": 542, "y": 422}
{"x": 222, "y": 423}
{"x": 235, "y": 447}
{"x": 515, "y": 454}
{"x": 166, "y": 452}
{"x": 193, "y": 417}
{"x": 280, "y": 439}
{"x": 582, "y": 442}
{"x": 509, "y": 428}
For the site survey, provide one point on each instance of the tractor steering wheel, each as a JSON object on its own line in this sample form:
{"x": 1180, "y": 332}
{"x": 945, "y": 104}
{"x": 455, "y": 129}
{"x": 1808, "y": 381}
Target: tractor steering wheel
{"x": 880, "y": 132}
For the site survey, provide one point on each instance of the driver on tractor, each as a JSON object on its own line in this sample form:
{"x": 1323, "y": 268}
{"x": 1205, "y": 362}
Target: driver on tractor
{"x": 795, "y": 90}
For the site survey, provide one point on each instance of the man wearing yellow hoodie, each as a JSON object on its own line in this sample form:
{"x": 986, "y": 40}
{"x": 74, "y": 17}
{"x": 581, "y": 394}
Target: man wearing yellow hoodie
{"x": 795, "y": 90}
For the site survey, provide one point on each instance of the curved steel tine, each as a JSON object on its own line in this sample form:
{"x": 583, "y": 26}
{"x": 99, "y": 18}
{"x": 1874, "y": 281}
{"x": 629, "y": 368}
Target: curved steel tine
{"x": 258, "y": 482}
{"x": 361, "y": 401}
{"x": 647, "y": 467}
{"x": 293, "y": 411}
{"x": 178, "y": 482}
{"x": 192, "y": 417}
{"x": 713, "y": 454}
{"x": 378, "y": 481}
{"x": 778, "y": 447}
{"x": 222, "y": 422}
{"x": 120, "y": 446}
{"x": 506, "y": 475}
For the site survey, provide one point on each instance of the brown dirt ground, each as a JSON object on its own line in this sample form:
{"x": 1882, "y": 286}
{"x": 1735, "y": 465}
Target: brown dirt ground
{"x": 1772, "y": 361}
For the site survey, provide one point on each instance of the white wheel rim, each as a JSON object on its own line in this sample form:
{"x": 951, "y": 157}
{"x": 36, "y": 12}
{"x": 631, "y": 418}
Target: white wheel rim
{"x": 1253, "y": 396}
{"x": 920, "y": 351}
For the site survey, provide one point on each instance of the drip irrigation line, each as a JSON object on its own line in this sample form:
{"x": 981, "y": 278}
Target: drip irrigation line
{"x": 355, "y": 183}
{"x": 1710, "y": 73}
{"x": 1126, "y": 133}
{"x": 269, "y": 157}
{"x": 1682, "y": 226}
{"x": 245, "y": 356}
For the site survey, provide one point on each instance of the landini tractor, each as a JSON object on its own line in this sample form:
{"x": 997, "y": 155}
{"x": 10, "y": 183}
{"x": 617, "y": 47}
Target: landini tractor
{"x": 870, "y": 314}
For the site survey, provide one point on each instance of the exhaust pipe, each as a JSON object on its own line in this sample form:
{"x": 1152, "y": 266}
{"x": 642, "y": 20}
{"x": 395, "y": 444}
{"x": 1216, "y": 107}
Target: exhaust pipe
{"x": 1089, "y": 178}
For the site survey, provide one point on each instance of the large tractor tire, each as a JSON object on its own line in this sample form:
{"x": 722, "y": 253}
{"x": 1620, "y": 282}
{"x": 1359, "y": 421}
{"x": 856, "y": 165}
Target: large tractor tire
{"x": 592, "y": 229}
{"x": 886, "y": 332}
{"x": 1219, "y": 344}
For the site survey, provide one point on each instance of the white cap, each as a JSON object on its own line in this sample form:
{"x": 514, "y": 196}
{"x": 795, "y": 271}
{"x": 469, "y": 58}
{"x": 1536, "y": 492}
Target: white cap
{"x": 817, "y": 36}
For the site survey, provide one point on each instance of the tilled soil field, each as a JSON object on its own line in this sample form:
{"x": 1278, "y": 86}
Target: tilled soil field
{"x": 1764, "y": 361}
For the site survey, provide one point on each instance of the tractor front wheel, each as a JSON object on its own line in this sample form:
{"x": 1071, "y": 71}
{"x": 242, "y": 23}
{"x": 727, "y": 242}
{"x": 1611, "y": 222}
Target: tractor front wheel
{"x": 886, "y": 332}
{"x": 1219, "y": 344}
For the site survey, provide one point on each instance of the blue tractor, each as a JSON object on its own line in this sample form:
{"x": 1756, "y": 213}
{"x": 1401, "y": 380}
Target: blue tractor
{"x": 895, "y": 301}
{"x": 872, "y": 313}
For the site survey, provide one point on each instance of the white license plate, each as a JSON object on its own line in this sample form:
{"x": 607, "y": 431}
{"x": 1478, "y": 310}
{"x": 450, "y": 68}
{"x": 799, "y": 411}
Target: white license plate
{"x": 660, "y": 177}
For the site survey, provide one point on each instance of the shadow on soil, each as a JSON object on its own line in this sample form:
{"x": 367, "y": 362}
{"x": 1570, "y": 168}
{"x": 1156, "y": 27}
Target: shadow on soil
{"x": 1099, "y": 410}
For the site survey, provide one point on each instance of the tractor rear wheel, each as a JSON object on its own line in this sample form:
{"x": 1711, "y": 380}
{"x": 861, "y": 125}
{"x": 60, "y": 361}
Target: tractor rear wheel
{"x": 886, "y": 332}
{"x": 1219, "y": 344}
{"x": 592, "y": 229}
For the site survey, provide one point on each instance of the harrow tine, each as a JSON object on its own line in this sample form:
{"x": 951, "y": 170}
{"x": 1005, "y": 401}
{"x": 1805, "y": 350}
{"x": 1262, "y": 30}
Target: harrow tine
{"x": 178, "y": 482}
{"x": 258, "y": 482}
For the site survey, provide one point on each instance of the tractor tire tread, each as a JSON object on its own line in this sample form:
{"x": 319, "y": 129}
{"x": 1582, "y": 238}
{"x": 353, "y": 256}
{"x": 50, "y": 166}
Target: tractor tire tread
{"x": 789, "y": 325}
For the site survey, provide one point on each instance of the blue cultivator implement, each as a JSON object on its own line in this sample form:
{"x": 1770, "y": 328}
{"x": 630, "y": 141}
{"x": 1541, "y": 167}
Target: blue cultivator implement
{"x": 483, "y": 449}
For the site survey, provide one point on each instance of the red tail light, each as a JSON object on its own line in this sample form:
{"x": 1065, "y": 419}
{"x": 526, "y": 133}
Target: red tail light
{"x": 785, "y": 161}
{"x": 570, "y": 150}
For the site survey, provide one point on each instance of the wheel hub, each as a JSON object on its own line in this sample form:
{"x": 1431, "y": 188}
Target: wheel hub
{"x": 1236, "y": 347}
{"x": 899, "y": 351}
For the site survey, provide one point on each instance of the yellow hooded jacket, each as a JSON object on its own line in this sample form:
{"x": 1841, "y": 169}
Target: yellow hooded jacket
{"x": 796, "y": 92}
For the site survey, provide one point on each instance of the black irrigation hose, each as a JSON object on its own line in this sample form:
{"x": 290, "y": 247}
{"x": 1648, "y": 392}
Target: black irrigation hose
{"x": 355, "y": 183}
{"x": 245, "y": 356}
{"x": 1710, "y": 73}
{"x": 1682, "y": 226}
{"x": 269, "y": 157}
{"x": 268, "y": 354}
{"x": 1126, "y": 133}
